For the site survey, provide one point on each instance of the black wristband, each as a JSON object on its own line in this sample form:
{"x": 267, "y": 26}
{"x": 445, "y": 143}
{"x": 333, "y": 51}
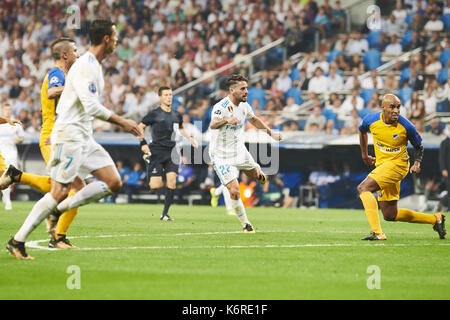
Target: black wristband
{"x": 418, "y": 153}
{"x": 143, "y": 142}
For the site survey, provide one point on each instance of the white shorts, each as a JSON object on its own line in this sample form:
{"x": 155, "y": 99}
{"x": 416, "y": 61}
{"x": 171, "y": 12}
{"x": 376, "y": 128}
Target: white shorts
{"x": 72, "y": 159}
{"x": 227, "y": 169}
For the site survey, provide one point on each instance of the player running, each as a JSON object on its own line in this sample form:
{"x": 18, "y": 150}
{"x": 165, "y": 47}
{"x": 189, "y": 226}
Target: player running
{"x": 391, "y": 133}
{"x": 226, "y": 147}
{"x": 64, "y": 52}
{"x": 162, "y": 155}
{"x": 10, "y": 136}
{"x": 74, "y": 152}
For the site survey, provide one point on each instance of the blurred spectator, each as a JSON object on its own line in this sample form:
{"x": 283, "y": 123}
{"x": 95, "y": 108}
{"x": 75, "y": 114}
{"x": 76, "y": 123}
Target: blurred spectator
{"x": 372, "y": 82}
{"x": 353, "y": 101}
{"x": 134, "y": 181}
{"x": 354, "y": 81}
{"x": 357, "y": 44}
{"x": 435, "y": 127}
{"x": 434, "y": 24}
{"x": 272, "y": 192}
{"x": 185, "y": 178}
{"x": 330, "y": 130}
{"x": 249, "y": 190}
{"x": 123, "y": 172}
{"x": 393, "y": 48}
{"x": 418, "y": 115}
{"x": 351, "y": 125}
{"x": 318, "y": 83}
{"x": 316, "y": 121}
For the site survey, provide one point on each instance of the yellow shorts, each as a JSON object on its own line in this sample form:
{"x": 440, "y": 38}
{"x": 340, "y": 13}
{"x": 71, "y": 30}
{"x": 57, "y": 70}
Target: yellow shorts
{"x": 46, "y": 151}
{"x": 388, "y": 176}
{"x": 2, "y": 162}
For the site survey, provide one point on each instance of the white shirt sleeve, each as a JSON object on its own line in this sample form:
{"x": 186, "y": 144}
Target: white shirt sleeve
{"x": 86, "y": 87}
{"x": 249, "y": 111}
{"x": 19, "y": 131}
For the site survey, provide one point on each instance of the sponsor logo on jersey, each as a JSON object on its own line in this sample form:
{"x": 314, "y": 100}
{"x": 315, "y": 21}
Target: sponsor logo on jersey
{"x": 395, "y": 136}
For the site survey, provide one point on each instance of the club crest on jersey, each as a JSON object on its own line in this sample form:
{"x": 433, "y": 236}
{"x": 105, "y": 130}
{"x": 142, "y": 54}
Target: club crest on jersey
{"x": 54, "y": 80}
{"x": 230, "y": 108}
{"x": 92, "y": 87}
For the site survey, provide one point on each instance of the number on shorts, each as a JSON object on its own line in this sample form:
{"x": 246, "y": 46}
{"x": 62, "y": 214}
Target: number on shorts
{"x": 224, "y": 169}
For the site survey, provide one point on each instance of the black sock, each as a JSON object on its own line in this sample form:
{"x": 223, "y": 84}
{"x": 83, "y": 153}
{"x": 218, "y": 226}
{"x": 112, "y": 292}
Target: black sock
{"x": 168, "y": 200}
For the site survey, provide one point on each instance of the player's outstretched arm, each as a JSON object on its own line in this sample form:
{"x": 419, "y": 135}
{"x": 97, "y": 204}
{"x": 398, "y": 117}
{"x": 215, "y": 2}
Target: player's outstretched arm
{"x": 418, "y": 155}
{"x": 259, "y": 124}
{"x": 186, "y": 134}
{"x": 363, "y": 143}
{"x": 127, "y": 124}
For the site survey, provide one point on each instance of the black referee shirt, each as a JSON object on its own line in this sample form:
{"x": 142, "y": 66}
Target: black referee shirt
{"x": 162, "y": 127}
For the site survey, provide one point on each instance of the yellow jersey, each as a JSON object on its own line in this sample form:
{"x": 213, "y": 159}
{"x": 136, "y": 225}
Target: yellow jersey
{"x": 390, "y": 141}
{"x": 54, "y": 78}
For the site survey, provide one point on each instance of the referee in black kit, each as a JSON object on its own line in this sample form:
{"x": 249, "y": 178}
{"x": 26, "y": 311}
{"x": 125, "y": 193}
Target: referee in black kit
{"x": 162, "y": 156}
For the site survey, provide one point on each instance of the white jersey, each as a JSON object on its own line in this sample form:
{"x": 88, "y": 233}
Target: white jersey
{"x": 80, "y": 101}
{"x": 227, "y": 141}
{"x": 8, "y": 147}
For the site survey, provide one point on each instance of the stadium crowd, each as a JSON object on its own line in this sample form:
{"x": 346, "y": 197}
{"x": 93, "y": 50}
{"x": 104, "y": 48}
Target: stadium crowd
{"x": 175, "y": 42}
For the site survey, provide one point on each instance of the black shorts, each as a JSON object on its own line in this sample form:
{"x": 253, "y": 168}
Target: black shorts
{"x": 162, "y": 162}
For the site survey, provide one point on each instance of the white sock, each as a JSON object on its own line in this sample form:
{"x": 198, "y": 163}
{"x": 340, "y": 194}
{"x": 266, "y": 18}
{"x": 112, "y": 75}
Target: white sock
{"x": 219, "y": 190}
{"x": 92, "y": 192}
{"x": 7, "y": 196}
{"x": 238, "y": 206}
{"x": 227, "y": 199}
{"x": 40, "y": 211}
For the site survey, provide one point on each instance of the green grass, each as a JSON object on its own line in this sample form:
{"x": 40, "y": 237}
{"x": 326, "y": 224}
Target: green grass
{"x": 295, "y": 254}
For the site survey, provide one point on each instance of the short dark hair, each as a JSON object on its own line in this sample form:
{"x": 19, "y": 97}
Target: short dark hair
{"x": 98, "y": 29}
{"x": 58, "y": 46}
{"x": 235, "y": 78}
{"x": 161, "y": 89}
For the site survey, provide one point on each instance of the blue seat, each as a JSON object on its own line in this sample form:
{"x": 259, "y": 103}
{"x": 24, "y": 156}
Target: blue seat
{"x": 445, "y": 18}
{"x": 409, "y": 18}
{"x": 404, "y": 75}
{"x": 257, "y": 93}
{"x": 366, "y": 94}
{"x": 442, "y": 76}
{"x": 295, "y": 74}
{"x": 301, "y": 124}
{"x": 333, "y": 54}
{"x": 444, "y": 56}
{"x": 407, "y": 38}
{"x": 443, "y": 106}
{"x": 296, "y": 93}
{"x": 363, "y": 112}
{"x": 405, "y": 94}
{"x": 373, "y": 38}
{"x": 372, "y": 59}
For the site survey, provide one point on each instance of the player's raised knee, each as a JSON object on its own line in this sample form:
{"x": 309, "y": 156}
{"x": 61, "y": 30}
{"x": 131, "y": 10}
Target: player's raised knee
{"x": 114, "y": 185}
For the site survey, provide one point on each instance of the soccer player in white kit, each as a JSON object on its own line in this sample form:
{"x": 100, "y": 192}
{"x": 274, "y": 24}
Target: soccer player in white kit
{"x": 74, "y": 150}
{"x": 9, "y": 137}
{"x": 226, "y": 147}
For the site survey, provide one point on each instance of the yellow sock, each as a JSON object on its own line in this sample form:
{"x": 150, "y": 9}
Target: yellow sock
{"x": 371, "y": 207}
{"x": 66, "y": 219}
{"x": 42, "y": 183}
{"x": 406, "y": 215}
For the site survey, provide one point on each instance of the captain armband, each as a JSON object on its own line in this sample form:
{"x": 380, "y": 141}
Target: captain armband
{"x": 418, "y": 153}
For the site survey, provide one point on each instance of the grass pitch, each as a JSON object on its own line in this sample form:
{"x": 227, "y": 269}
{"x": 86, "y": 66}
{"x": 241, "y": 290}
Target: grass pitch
{"x": 126, "y": 252}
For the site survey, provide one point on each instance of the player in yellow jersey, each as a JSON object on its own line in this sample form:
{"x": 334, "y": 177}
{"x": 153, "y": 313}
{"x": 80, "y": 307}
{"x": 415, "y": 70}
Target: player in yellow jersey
{"x": 64, "y": 52}
{"x": 391, "y": 133}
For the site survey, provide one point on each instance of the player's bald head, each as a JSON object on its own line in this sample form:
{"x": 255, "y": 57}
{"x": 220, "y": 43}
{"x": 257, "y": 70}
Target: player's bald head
{"x": 389, "y": 99}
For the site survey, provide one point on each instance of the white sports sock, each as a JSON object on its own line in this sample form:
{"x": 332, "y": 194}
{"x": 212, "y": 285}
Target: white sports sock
{"x": 238, "y": 206}
{"x": 40, "y": 211}
{"x": 6, "y": 196}
{"x": 92, "y": 192}
{"x": 219, "y": 190}
{"x": 227, "y": 199}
